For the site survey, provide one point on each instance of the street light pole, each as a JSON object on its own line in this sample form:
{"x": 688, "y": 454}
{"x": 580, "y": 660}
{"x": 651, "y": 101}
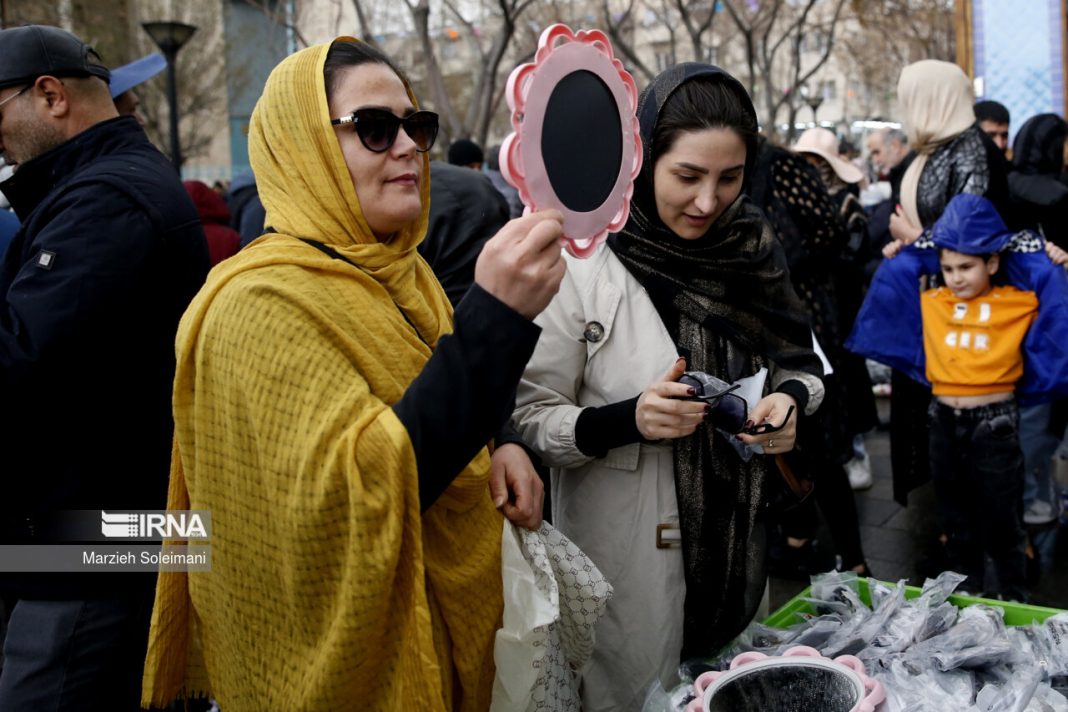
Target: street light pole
{"x": 814, "y": 102}
{"x": 169, "y": 37}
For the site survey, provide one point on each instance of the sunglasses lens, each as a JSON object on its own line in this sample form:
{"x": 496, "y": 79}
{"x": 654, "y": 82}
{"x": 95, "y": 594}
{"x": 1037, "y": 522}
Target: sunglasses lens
{"x": 704, "y": 385}
{"x": 422, "y": 127}
{"x": 377, "y": 129}
{"x": 729, "y": 413}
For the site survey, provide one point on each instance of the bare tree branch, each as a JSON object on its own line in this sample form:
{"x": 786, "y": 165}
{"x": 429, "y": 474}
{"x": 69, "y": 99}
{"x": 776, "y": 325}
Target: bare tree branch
{"x": 420, "y": 10}
{"x": 510, "y": 13}
{"x": 365, "y": 26}
{"x": 799, "y": 77}
{"x": 795, "y": 30}
{"x": 275, "y": 14}
{"x": 745, "y": 27}
{"x": 620, "y": 43}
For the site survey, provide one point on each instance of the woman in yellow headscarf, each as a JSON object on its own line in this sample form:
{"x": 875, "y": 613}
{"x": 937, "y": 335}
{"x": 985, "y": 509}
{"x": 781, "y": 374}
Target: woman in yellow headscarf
{"x": 336, "y": 429}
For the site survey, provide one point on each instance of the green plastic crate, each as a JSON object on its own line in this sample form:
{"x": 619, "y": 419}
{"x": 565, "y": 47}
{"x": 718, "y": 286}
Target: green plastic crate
{"x": 1015, "y": 613}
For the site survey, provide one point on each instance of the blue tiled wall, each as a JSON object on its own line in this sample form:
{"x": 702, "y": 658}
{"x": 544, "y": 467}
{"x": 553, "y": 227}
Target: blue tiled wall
{"x": 1017, "y": 45}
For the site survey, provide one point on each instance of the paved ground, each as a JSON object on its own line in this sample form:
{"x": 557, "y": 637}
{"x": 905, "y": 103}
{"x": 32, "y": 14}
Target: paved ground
{"x": 897, "y": 538}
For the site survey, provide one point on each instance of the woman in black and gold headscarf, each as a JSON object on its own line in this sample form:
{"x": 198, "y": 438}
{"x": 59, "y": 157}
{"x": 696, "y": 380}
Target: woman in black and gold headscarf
{"x": 666, "y": 504}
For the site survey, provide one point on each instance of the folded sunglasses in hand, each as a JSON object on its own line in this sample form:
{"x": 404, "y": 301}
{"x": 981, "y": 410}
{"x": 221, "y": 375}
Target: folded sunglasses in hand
{"x": 729, "y": 410}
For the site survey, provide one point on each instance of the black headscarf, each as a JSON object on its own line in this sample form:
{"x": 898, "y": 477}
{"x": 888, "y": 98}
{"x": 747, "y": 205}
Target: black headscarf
{"x": 1039, "y": 145}
{"x": 727, "y": 301}
{"x": 1038, "y": 183}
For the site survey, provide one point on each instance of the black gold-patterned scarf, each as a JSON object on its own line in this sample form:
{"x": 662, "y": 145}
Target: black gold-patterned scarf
{"x": 727, "y": 301}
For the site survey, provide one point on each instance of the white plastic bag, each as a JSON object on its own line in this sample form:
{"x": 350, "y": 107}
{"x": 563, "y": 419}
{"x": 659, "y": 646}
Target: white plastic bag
{"x": 553, "y": 596}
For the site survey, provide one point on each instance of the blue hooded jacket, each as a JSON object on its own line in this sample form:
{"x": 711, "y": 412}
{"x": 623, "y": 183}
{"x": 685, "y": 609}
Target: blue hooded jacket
{"x": 889, "y": 328}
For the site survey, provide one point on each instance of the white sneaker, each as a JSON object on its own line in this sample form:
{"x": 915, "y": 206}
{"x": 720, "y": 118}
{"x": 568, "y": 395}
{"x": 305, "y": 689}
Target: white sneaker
{"x": 859, "y": 471}
{"x": 1039, "y": 512}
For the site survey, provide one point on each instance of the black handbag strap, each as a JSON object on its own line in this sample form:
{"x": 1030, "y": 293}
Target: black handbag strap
{"x": 334, "y": 254}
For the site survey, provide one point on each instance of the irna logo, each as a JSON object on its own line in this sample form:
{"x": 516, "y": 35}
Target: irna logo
{"x": 153, "y": 525}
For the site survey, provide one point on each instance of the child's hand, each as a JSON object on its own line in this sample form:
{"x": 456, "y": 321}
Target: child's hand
{"x": 892, "y": 248}
{"x": 1056, "y": 254}
{"x": 902, "y": 228}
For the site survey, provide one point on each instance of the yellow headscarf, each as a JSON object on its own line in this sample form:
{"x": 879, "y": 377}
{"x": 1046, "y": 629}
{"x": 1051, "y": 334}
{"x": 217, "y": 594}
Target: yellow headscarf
{"x": 936, "y": 99}
{"x": 329, "y": 589}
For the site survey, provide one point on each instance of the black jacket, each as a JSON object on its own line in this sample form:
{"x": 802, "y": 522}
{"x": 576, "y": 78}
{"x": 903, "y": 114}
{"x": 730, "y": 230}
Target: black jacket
{"x": 1038, "y": 183}
{"x": 108, "y": 257}
{"x": 970, "y": 163}
{"x": 465, "y": 211}
{"x": 879, "y": 215}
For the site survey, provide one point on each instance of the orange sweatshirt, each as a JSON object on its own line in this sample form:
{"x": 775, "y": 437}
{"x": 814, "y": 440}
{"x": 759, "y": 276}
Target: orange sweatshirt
{"x": 972, "y": 346}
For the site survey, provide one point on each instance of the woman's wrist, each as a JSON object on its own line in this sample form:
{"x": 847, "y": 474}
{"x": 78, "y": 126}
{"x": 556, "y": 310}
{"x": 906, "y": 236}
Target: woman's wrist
{"x": 602, "y": 428}
{"x": 796, "y": 390}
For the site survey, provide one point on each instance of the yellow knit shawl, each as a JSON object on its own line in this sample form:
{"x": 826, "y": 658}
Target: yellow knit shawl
{"x": 329, "y": 590}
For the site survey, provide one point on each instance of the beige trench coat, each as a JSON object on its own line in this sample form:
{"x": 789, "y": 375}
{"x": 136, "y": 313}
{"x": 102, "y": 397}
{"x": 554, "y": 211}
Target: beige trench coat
{"x": 603, "y": 342}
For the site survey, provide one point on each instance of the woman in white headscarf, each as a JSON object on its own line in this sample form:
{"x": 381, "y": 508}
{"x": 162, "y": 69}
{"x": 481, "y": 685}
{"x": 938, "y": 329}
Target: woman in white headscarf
{"x": 953, "y": 156}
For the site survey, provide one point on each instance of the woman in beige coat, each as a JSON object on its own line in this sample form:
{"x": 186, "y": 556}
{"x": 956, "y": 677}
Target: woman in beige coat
{"x": 668, "y": 505}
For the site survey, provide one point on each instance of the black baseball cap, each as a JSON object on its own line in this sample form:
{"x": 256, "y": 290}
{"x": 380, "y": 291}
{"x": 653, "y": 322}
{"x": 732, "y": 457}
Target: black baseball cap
{"x": 35, "y": 50}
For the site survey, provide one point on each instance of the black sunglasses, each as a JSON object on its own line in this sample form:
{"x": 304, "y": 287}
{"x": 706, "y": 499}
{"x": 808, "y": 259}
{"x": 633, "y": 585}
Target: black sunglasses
{"x": 377, "y": 128}
{"x": 729, "y": 411}
{"x": 768, "y": 427}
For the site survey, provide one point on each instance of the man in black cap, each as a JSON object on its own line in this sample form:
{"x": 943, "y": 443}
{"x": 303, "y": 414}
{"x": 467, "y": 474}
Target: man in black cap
{"x": 91, "y": 289}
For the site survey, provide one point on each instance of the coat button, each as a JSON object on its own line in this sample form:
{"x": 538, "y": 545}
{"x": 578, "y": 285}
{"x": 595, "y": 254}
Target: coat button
{"x": 594, "y": 332}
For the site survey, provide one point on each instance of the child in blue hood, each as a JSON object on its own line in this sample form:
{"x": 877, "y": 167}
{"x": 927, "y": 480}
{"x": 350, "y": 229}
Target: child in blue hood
{"x": 980, "y": 346}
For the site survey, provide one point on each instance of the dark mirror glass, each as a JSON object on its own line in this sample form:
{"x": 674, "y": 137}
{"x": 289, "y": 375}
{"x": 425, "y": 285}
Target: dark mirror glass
{"x": 790, "y": 688}
{"x": 582, "y": 141}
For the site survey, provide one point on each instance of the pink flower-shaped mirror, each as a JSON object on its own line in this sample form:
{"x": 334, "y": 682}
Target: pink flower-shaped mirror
{"x": 575, "y": 145}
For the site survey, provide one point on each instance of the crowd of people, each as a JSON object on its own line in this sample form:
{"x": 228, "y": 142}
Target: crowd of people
{"x": 390, "y": 360}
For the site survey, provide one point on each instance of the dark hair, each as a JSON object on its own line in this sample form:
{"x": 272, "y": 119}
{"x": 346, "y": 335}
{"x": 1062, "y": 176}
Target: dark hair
{"x": 706, "y": 103}
{"x": 464, "y": 151}
{"x": 991, "y": 111}
{"x": 344, "y": 54}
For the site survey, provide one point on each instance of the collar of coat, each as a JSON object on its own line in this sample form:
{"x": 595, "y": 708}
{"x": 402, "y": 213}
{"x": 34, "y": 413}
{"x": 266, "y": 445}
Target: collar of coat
{"x": 37, "y": 178}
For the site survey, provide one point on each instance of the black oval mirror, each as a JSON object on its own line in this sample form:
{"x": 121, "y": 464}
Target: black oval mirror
{"x": 582, "y": 141}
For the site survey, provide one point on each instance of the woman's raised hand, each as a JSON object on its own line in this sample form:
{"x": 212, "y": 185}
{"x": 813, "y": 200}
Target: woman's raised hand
{"x": 661, "y": 414}
{"x": 522, "y": 264}
{"x": 1056, "y": 254}
{"x": 891, "y": 249}
{"x": 903, "y": 229}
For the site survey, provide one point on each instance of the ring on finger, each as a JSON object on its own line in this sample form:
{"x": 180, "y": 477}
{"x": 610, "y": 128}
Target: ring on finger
{"x": 771, "y": 444}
